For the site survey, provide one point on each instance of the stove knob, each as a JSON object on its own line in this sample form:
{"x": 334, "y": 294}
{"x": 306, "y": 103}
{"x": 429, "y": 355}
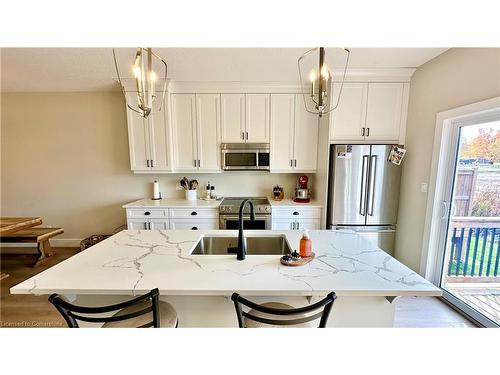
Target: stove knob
{"x": 223, "y": 209}
{"x": 268, "y": 209}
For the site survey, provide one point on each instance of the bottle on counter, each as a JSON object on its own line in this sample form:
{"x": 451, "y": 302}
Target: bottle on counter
{"x": 305, "y": 246}
{"x": 207, "y": 194}
{"x": 212, "y": 192}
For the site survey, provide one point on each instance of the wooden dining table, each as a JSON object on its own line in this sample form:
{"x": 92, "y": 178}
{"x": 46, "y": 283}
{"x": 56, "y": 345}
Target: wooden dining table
{"x": 13, "y": 224}
{"x": 10, "y": 225}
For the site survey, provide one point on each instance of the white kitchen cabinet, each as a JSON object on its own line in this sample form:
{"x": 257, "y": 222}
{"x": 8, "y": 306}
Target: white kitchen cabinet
{"x": 184, "y": 132}
{"x": 296, "y": 218}
{"x": 233, "y": 118}
{"x": 348, "y": 119}
{"x": 294, "y": 135}
{"x": 146, "y": 218}
{"x": 296, "y": 224}
{"x": 257, "y": 118}
{"x": 384, "y": 111}
{"x": 305, "y": 147}
{"x": 245, "y": 118}
{"x": 282, "y": 132}
{"x": 208, "y": 132}
{"x": 196, "y": 129}
{"x": 207, "y": 224}
{"x": 148, "y": 138}
{"x": 158, "y": 224}
{"x": 370, "y": 112}
{"x": 148, "y": 224}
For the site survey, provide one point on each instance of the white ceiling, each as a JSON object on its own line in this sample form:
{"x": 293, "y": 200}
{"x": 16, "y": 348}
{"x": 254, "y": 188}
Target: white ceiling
{"x": 92, "y": 69}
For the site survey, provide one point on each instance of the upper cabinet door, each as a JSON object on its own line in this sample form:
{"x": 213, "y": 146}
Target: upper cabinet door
{"x": 233, "y": 118}
{"x": 184, "y": 132}
{"x": 257, "y": 118}
{"x": 208, "y": 131}
{"x": 282, "y": 132}
{"x": 384, "y": 111}
{"x": 306, "y": 138}
{"x": 159, "y": 138}
{"x": 138, "y": 137}
{"x": 348, "y": 119}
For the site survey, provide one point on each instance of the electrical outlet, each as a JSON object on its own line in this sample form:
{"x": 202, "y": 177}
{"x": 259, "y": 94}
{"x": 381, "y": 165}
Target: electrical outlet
{"x": 423, "y": 187}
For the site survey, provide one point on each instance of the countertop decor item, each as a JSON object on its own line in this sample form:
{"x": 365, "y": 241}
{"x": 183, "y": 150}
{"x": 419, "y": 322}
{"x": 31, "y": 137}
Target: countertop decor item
{"x": 318, "y": 81}
{"x": 190, "y": 187}
{"x": 301, "y": 191}
{"x": 145, "y": 80}
{"x": 292, "y": 261}
{"x": 156, "y": 190}
{"x": 278, "y": 193}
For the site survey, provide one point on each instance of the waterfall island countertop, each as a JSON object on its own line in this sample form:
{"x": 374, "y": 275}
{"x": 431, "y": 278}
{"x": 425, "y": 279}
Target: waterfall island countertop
{"x": 135, "y": 261}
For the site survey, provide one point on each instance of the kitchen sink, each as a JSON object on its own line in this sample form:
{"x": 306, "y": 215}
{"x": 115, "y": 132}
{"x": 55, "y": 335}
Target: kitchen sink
{"x": 218, "y": 245}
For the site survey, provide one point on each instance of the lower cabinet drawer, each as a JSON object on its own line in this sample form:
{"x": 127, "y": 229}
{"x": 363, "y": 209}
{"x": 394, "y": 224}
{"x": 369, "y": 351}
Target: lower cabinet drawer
{"x": 194, "y": 213}
{"x": 290, "y": 224}
{"x": 147, "y": 224}
{"x": 194, "y": 224}
{"x": 297, "y": 212}
{"x": 145, "y": 213}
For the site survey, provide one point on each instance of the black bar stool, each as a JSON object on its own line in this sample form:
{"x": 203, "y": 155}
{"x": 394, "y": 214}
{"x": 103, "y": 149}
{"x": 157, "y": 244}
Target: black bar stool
{"x": 281, "y": 315}
{"x": 134, "y": 313}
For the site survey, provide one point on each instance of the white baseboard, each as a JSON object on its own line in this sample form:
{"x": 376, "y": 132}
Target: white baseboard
{"x": 8, "y": 248}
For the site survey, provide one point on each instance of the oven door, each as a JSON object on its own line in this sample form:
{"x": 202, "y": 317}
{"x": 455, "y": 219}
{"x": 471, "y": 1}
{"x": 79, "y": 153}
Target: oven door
{"x": 231, "y": 222}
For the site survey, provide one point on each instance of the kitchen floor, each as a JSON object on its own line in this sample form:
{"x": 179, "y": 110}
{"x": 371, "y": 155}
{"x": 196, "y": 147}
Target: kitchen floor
{"x": 36, "y": 311}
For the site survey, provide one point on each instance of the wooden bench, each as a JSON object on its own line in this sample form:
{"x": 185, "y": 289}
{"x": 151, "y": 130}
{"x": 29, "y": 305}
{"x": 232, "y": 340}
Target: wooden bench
{"x": 40, "y": 236}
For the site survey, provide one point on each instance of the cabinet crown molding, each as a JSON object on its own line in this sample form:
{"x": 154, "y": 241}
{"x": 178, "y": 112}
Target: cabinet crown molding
{"x": 352, "y": 75}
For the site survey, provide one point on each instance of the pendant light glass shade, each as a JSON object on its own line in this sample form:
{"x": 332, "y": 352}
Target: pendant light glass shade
{"x": 316, "y": 99}
{"x": 145, "y": 80}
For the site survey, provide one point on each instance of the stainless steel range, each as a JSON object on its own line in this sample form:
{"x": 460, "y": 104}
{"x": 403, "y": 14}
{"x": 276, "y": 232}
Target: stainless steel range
{"x": 229, "y": 209}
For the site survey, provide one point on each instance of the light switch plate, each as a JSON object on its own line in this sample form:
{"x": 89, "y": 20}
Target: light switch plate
{"x": 423, "y": 187}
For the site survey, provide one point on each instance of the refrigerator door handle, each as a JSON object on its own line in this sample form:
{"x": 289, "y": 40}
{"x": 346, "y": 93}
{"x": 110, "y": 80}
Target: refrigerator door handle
{"x": 362, "y": 194}
{"x": 373, "y": 170}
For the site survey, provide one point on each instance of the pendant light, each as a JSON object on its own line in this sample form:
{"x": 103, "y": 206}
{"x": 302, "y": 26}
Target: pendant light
{"x": 319, "y": 81}
{"x": 145, "y": 80}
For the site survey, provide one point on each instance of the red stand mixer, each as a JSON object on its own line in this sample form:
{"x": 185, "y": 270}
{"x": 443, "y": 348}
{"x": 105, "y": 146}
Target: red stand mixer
{"x": 301, "y": 191}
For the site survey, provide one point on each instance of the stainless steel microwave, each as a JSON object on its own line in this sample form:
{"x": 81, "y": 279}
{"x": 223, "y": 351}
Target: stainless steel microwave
{"x": 245, "y": 156}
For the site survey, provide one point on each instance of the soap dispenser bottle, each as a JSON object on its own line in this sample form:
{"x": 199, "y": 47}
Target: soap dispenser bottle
{"x": 305, "y": 246}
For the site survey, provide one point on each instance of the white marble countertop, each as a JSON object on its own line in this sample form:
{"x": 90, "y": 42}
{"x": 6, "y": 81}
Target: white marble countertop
{"x": 184, "y": 203}
{"x": 133, "y": 262}
{"x": 172, "y": 203}
{"x": 289, "y": 202}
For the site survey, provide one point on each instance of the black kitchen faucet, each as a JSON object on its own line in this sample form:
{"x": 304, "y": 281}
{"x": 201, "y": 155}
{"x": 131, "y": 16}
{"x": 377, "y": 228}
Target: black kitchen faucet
{"x": 241, "y": 250}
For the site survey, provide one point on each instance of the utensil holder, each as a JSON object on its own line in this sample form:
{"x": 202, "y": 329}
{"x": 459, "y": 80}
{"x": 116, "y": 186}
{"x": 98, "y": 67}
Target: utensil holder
{"x": 190, "y": 195}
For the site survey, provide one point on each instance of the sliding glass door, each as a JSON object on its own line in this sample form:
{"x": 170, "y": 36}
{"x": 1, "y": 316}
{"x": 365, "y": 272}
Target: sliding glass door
{"x": 470, "y": 262}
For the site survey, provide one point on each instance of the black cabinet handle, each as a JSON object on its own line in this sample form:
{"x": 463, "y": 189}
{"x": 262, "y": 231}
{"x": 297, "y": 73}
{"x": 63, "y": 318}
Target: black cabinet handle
{"x": 362, "y": 132}
{"x": 194, "y": 228}
{"x": 194, "y": 213}
{"x": 367, "y": 132}
{"x": 147, "y": 163}
{"x": 295, "y": 213}
{"x": 147, "y": 213}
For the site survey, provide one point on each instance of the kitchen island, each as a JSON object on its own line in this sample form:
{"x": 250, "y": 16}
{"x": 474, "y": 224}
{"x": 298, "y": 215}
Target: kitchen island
{"x": 132, "y": 262}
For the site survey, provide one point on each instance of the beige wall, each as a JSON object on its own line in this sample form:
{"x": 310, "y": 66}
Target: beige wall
{"x": 455, "y": 78}
{"x": 64, "y": 156}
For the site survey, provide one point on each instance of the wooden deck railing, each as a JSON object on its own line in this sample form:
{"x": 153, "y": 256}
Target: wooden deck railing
{"x": 474, "y": 251}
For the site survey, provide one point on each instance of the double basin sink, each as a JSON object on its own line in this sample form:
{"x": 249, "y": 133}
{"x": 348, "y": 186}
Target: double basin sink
{"x": 266, "y": 245}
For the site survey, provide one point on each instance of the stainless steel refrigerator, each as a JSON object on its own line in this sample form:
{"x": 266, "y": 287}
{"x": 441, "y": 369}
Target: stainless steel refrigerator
{"x": 364, "y": 192}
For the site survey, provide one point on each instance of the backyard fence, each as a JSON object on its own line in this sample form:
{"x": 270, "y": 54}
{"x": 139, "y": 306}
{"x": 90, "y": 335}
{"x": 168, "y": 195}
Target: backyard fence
{"x": 465, "y": 187}
{"x": 474, "y": 248}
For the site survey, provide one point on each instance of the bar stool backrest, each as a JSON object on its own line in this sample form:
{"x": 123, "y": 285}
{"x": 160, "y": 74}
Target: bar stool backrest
{"x": 72, "y": 313}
